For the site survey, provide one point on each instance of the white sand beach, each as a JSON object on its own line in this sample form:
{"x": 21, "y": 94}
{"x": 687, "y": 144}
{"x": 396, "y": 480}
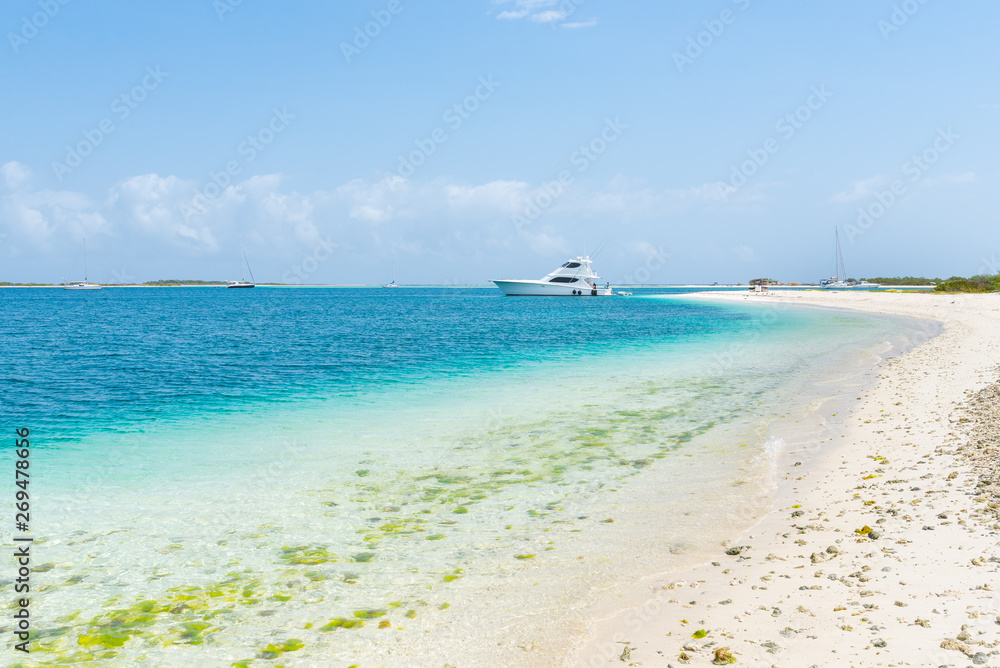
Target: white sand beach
{"x": 883, "y": 544}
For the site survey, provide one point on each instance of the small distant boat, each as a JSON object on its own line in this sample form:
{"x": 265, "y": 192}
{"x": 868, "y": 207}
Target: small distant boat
{"x": 835, "y": 282}
{"x": 85, "y": 284}
{"x": 574, "y": 278}
{"x": 242, "y": 283}
{"x": 393, "y": 283}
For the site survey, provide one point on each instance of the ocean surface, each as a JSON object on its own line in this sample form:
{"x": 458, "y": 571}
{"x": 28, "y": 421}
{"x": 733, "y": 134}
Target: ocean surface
{"x": 388, "y": 477}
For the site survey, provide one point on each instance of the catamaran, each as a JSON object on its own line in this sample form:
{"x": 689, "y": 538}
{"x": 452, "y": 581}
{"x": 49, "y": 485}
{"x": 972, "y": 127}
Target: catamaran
{"x": 573, "y": 278}
{"x": 85, "y": 284}
{"x": 242, "y": 283}
{"x": 835, "y": 282}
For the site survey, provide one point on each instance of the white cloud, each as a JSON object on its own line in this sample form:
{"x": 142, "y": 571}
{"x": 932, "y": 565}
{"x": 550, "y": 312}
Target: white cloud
{"x": 950, "y": 180}
{"x": 151, "y": 204}
{"x": 15, "y": 175}
{"x": 503, "y": 196}
{"x": 552, "y": 12}
{"x": 548, "y": 16}
{"x": 546, "y": 242}
{"x": 372, "y": 203}
{"x": 861, "y": 189}
{"x": 141, "y": 224}
{"x": 37, "y": 218}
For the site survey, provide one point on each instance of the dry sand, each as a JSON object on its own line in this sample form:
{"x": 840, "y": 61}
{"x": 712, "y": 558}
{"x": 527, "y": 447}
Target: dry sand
{"x": 883, "y": 544}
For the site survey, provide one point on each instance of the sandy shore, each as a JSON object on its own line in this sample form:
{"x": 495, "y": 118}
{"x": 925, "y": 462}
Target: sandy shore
{"x": 883, "y": 544}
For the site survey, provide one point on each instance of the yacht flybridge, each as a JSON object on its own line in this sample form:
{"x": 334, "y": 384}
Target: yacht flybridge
{"x": 573, "y": 278}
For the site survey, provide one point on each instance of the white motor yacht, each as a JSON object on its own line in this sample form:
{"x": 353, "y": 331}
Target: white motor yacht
{"x": 573, "y": 278}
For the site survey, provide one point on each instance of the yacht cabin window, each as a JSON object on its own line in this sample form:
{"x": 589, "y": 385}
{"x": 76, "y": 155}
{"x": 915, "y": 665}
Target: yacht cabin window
{"x": 564, "y": 279}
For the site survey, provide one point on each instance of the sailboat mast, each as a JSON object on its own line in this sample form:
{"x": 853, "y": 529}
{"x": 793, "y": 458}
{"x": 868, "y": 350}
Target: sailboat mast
{"x": 86, "y": 278}
{"x": 840, "y": 258}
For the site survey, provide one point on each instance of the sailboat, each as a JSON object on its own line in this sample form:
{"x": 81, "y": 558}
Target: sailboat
{"x": 393, "y": 283}
{"x": 836, "y": 282}
{"x": 85, "y": 284}
{"x": 242, "y": 283}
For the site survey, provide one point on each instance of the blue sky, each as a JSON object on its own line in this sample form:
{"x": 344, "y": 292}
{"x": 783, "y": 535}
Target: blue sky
{"x": 463, "y": 141}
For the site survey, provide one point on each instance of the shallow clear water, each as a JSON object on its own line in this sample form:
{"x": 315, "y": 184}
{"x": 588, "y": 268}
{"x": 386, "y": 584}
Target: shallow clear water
{"x": 293, "y": 476}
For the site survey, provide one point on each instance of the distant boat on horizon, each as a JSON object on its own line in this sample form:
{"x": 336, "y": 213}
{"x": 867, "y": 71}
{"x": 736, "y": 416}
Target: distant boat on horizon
{"x": 85, "y": 284}
{"x": 242, "y": 283}
{"x": 835, "y": 282}
{"x": 392, "y": 284}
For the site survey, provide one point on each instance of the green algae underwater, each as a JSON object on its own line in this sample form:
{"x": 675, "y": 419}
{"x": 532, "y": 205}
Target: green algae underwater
{"x": 386, "y": 480}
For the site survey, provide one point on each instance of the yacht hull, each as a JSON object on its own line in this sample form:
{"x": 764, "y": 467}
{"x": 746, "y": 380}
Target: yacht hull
{"x": 513, "y": 288}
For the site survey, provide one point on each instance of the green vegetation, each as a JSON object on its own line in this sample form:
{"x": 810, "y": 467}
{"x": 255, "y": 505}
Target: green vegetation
{"x": 980, "y": 283}
{"x": 903, "y": 280}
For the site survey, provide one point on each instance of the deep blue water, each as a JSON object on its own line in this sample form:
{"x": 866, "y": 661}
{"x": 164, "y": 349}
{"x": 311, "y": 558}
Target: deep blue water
{"x": 118, "y": 359}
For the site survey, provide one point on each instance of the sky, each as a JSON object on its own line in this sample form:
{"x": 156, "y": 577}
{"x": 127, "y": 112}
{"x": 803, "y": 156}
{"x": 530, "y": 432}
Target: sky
{"x": 456, "y": 142}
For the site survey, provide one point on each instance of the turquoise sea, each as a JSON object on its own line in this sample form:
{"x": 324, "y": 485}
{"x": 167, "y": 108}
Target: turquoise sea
{"x": 389, "y": 477}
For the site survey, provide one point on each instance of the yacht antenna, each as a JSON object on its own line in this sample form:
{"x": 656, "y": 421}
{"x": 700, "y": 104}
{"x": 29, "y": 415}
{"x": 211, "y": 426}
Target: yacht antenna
{"x": 601, "y": 247}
